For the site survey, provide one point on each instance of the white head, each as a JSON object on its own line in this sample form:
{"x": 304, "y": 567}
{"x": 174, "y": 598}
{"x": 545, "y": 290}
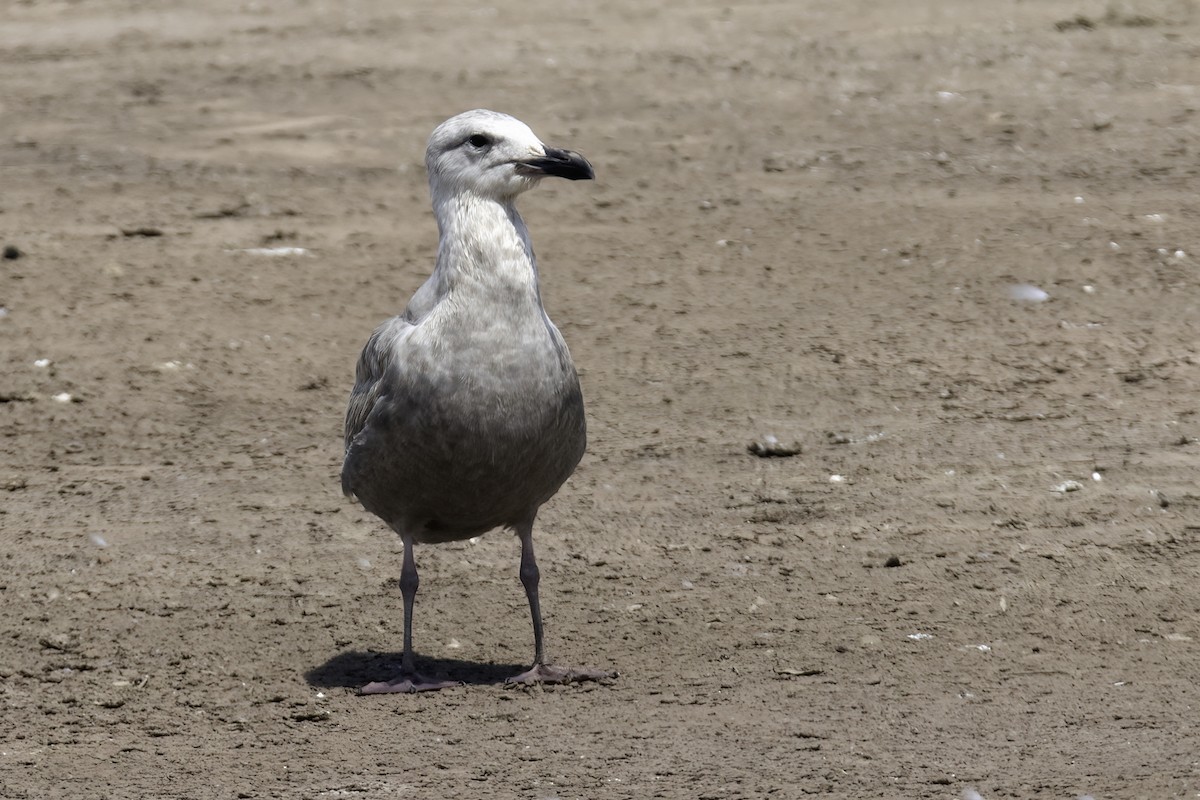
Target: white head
{"x": 495, "y": 156}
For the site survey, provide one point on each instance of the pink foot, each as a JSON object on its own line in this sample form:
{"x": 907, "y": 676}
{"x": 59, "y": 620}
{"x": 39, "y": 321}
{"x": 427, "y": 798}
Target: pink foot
{"x": 546, "y": 673}
{"x": 407, "y": 683}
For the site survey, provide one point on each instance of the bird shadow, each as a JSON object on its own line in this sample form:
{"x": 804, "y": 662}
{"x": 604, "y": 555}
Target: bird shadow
{"x": 355, "y": 668}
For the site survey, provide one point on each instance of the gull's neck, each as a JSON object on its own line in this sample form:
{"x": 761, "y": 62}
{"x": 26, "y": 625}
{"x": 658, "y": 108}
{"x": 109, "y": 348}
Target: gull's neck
{"x": 484, "y": 246}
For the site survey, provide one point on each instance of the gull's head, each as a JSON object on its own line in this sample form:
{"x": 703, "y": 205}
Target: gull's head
{"x": 495, "y": 156}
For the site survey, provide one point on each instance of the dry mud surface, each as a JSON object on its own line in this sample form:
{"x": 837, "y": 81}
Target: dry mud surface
{"x": 807, "y": 223}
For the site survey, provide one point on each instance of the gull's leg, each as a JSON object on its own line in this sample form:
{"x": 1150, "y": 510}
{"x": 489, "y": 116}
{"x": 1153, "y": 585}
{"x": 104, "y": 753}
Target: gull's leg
{"x": 541, "y": 672}
{"x": 409, "y": 680}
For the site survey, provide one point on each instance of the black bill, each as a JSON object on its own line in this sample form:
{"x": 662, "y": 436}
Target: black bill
{"x": 559, "y": 163}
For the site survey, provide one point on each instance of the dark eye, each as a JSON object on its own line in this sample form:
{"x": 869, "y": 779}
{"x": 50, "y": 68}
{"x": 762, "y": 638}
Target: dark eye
{"x": 479, "y": 141}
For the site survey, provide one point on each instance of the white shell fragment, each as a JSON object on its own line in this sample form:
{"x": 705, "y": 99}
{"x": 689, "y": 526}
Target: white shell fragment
{"x": 1067, "y": 486}
{"x": 918, "y": 637}
{"x": 273, "y": 251}
{"x": 61, "y": 397}
{"x": 173, "y": 365}
{"x": 42, "y": 363}
{"x": 1028, "y": 293}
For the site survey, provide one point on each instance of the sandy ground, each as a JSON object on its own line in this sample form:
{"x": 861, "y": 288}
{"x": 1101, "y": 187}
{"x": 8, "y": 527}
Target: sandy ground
{"x": 807, "y": 222}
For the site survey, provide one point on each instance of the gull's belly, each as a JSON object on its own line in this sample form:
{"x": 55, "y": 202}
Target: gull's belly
{"x": 465, "y": 445}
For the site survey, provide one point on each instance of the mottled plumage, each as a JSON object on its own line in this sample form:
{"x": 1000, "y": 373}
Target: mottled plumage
{"x": 466, "y": 414}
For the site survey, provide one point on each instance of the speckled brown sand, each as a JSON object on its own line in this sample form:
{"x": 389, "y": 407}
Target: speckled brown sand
{"x": 806, "y": 222}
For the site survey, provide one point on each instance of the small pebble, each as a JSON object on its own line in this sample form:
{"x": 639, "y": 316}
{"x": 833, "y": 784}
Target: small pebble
{"x": 770, "y": 446}
{"x": 12, "y": 252}
{"x": 893, "y": 561}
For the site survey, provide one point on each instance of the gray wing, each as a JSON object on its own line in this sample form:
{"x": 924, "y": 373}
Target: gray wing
{"x": 376, "y": 368}
{"x": 382, "y": 359}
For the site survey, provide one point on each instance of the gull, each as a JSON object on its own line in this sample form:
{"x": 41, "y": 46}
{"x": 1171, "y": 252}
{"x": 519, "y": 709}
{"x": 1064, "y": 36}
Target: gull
{"x": 466, "y": 413}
